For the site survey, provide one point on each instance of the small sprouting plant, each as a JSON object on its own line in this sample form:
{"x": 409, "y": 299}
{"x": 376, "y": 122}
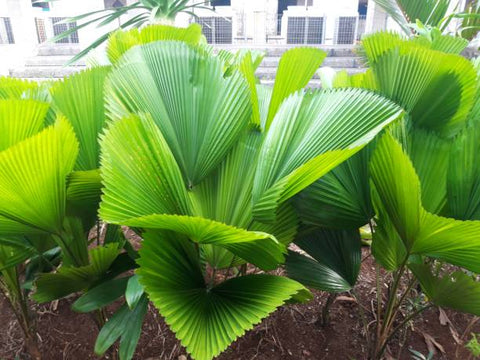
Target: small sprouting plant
{"x": 473, "y": 346}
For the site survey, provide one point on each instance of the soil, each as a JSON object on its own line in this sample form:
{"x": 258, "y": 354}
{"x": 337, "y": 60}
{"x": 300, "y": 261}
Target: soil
{"x": 292, "y": 332}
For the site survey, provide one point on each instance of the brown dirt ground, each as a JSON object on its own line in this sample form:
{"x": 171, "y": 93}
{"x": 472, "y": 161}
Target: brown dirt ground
{"x": 290, "y": 333}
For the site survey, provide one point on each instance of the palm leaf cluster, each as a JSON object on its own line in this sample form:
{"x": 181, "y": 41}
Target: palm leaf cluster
{"x": 219, "y": 174}
{"x": 195, "y": 156}
{"x": 416, "y": 185}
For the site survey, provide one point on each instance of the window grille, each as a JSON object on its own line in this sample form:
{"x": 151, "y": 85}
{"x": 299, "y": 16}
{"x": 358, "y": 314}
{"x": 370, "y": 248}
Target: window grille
{"x": 305, "y": 30}
{"x": 6, "y": 33}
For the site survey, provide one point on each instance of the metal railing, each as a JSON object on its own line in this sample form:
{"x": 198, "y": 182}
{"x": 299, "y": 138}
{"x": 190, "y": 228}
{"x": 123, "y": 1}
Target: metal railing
{"x": 6, "y": 33}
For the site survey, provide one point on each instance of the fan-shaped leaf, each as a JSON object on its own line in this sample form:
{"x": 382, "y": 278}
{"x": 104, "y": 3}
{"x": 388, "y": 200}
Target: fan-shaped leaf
{"x": 334, "y": 263}
{"x": 206, "y": 320}
{"x": 295, "y": 70}
{"x": 121, "y": 41}
{"x": 33, "y": 175}
{"x": 72, "y": 279}
{"x": 398, "y": 187}
{"x": 436, "y": 89}
{"x": 457, "y": 291}
{"x": 310, "y": 135}
{"x": 341, "y": 198}
{"x": 80, "y": 98}
{"x": 199, "y": 112}
{"x": 20, "y": 119}
{"x": 140, "y": 174}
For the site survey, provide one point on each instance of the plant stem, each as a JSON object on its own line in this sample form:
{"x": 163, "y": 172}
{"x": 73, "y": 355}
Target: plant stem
{"x": 401, "y": 325}
{"x": 325, "y": 316}
{"x": 363, "y": 317}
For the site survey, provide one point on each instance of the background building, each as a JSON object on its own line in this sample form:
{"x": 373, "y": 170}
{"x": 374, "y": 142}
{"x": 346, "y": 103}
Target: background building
{"x": 26, "y": 27}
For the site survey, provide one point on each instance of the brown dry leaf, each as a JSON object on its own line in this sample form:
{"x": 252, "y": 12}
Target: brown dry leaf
{"x": 345, "y": 298}
{"x": 432, "y": 344}
{"x": 443, "y": 318}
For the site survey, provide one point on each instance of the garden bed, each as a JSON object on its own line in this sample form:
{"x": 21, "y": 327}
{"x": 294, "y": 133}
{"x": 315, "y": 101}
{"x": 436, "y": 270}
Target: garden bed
{"x": 292, "y": 332}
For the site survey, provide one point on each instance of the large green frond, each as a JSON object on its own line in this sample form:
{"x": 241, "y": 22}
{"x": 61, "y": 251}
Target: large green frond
{"x": 295, "y": 70}
{"x": 436, "y": 89}
{"x": 139, "y": 172}
{"x": 341, "y": 198}
{"x": 68, "y": 280}
{"x": 430, "y": 157}
{"x": 33, "y": 177}
{"x": 13, "y": 88}
{"x": 333, "y": 262}
{"x": 80, "y": 98}
{"x": 457, "y": 291}
{"x": 398, "y": 190}
{"x": 310, "y": 135}
{"x": 463, "y": 180}
{"x": 206, "y": 320}
{"x": 121, "y": 41}
{"x": 200, "y": 113}
{"x": 20, "y": 119}
{"x": 255, "y": 247}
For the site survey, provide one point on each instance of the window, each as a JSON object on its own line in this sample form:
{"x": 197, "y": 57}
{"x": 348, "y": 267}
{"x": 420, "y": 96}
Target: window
{"x": 110, "y": 4}
{"x": 217, "y": 30}
{"x": 304, "y": 2}
{"x": 60, "y": 28}
{"x": 346, "y": 27}
{"x": 305, "y": 30}
{"x": 6, "y": 34}
{"x": 221, "y": 3}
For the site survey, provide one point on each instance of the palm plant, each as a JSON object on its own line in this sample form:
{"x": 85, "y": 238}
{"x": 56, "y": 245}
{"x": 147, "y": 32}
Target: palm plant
{"x": 146, "y": 12}
{"x": 50, "y": 183}
{"x": 410, "y": 186}
{"x": 415, "y": 16}
{"x": 200, "y": 161}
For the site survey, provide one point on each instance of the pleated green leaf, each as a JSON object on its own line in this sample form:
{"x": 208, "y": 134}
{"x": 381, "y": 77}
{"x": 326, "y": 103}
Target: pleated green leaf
{"x": 121, "y": 41}
{"x": 379, "y": 43}
{"x": 463, "y": 180}
{"x": 295, "y": 70}
{"x": 310, "y": 135}
{"x": 84, "y": 189}
{"x": 255, "y": 247}
{"x": 139, "y": 172}
{"x": 199, "y": 112}
{"x": 375, "y": 45}
{"x": 13, "y": 88}
{"x": 449, "y": 44}
{"x": 68, "y": 280}
{"x": 341, "y": 198}
{"x": 457, "y": 291}
{"x": 398, "y": 188}
{"x": 80, "y": 98}
{"x": 436, "y": 89}
{"x": 33, "y": 177}
{"x": 333, "y": 262}
{"x": 430, "y": 157}
{"x": 206, "y": 320}
{"x": 405, "y": 12}
{"x": 20, "y": 119}
{"x": 11, "y": 256}
{"x": 264, "y": 94}
{"x": 388, "y": 247}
